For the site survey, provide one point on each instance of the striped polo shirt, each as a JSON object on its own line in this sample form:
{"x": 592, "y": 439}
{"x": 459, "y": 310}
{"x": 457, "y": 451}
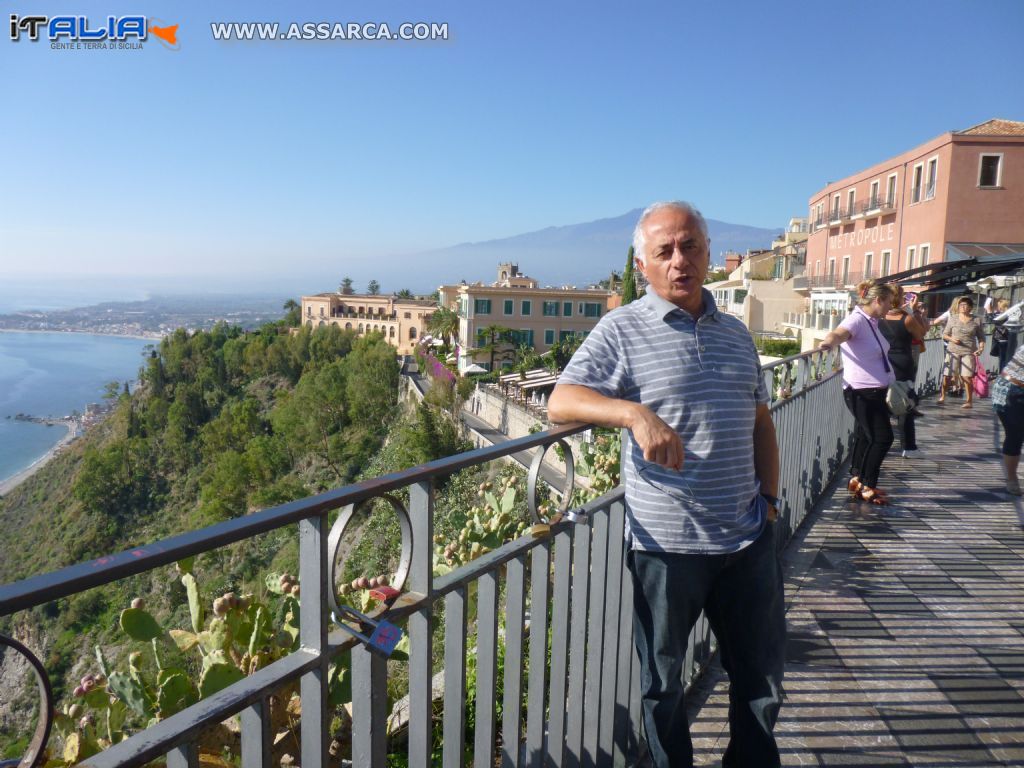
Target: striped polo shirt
{"x": 704, "y": 380}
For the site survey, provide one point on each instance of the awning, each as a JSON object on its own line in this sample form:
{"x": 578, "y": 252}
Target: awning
{"x": 953, "y": 276}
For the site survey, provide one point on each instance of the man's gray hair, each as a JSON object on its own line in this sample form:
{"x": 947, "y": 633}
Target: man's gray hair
{"x": 639, "y": 241}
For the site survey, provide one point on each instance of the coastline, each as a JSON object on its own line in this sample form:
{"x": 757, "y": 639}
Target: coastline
{"x": 155, "y": 337}
{"x": 10, "y": 483}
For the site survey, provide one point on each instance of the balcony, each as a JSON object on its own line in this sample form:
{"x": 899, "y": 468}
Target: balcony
{"x": 877, "y": 206}
{"x": 839, "y": 280}
{"x": 567, "y": 674}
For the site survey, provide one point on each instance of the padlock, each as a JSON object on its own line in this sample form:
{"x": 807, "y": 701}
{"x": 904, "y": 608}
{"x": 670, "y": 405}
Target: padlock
{"x": 385, "y": 635}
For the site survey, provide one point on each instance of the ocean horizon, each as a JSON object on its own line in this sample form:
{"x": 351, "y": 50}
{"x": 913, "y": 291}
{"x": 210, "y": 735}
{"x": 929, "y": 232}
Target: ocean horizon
{"x": 52, "y": 375}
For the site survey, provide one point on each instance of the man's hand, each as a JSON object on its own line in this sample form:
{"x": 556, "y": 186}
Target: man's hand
{"x": 660, "y": 443}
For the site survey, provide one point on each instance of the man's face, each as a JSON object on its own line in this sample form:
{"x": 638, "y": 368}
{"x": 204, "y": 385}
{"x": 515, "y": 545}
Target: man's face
{"x": 677, "y": 258}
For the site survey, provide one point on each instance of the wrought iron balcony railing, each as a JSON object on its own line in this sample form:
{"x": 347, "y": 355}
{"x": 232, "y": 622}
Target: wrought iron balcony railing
{"x": 565, "y": 618}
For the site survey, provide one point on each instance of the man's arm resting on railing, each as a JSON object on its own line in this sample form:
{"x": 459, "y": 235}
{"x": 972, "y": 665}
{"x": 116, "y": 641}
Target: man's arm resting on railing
{"x": 660, "y": 443}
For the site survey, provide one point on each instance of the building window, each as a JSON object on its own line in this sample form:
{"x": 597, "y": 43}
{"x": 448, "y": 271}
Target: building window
{"x": 846, "y": 270}
{"x": 550, "y": 309}
{"x": 911, "y": 257}
{"x": 817, "y": 268}
{"x": 835, "y": 208}
{"x": 549, "y": 336}
{"x": 566, "y": 309}
{"x": 408, "y": 315}
{"x": 309, "y": 311}
{"x": 886, "y": 258}
{"x": 321, "y": 311}
{"x": 990, "y": 171}
{"x": 526, "y": 336}
{"x": 412, "y": 333}
{"x": 873, "y": 197}
{"x": 832, "y": 268}
{"x": 851, "y": 200}
{"x": 915, "y": 187}
{"x": 890, "y": 191}
{"x": 592, "y": 309}
{"x": 565, "y": 335}
{"x": 482, "y": 306}
{"x": 933, "y": 170}
{"x": 925, "y": 251}
{"x": 868, "y": 258}
{"x": 526, "y": 307}
{"x": 508, "y": 306}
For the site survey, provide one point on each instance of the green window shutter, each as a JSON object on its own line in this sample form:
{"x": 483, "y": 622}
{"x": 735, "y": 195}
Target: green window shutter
{"x": 566, "y": 309}
{"x": 526, "y": 308}
{"x": 508, "y": 306}
{"x": 549, "y": 337}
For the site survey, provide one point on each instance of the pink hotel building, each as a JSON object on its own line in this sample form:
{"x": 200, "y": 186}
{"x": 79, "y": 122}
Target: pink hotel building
{"x": 960, "y": 195}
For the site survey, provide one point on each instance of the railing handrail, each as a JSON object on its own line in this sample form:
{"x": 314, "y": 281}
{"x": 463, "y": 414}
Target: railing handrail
{"x": 47, "y": 587}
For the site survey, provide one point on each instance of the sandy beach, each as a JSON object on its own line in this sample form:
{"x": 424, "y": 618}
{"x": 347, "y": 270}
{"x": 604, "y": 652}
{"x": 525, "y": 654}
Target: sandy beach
{"x": 9, "y": 484}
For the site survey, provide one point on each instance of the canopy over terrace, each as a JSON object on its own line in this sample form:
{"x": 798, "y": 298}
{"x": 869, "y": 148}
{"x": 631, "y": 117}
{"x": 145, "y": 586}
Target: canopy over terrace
{"x": 947, "y": 277}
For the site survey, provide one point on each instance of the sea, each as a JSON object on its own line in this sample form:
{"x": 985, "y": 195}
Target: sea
{"x": 54, "y": 374}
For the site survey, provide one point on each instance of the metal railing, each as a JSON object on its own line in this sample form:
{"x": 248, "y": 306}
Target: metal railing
{"x": 581, "y": 706}
{"x": 566, "y": 621}
{"x": 876, "y": 204}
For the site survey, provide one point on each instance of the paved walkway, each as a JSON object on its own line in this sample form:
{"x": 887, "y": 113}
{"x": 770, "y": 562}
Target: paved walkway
{"x": 906, "y": 622}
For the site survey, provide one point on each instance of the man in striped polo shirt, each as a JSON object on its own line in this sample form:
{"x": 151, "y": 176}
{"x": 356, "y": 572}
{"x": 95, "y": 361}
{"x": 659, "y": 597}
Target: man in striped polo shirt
{"x": 701, "y": 469}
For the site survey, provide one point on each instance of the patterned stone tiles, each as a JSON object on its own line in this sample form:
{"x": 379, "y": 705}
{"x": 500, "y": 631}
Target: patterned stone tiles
{"x": 906, "y": 623}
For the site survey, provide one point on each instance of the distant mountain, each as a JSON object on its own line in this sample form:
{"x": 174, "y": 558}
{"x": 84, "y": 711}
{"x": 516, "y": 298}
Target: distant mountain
{"x": 574, "y": 254}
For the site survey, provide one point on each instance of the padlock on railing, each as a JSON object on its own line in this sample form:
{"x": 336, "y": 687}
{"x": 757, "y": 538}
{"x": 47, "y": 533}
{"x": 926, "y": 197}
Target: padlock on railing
{"x": 384, "y": 637}
{"x": 579, "y": 516}
{"x": 377, "y": 634}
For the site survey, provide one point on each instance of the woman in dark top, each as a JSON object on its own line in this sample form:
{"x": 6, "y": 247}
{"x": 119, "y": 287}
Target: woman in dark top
{"x": 901, "y": 327}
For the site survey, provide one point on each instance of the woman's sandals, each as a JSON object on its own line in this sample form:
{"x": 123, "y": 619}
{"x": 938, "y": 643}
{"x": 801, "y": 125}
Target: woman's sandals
{"x": 860, "y": 492}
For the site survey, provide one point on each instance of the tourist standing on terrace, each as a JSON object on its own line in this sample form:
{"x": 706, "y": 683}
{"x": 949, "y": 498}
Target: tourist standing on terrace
{"x": 965, "y": 338}
{"x": 867, "y": 375}
{"x": 901, "y": 328}
{"x": 701, "y": 468}
{"x": 1008, "y": 403}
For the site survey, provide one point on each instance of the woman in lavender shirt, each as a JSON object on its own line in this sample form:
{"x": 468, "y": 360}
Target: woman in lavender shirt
{"x": 866, "y": 378}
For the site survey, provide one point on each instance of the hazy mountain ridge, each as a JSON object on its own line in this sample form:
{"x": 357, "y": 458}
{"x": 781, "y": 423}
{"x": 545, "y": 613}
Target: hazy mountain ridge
{"x": 573, "y": 253}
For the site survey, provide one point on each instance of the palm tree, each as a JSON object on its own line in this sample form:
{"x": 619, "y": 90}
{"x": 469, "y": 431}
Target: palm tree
{"x": 373, "y": 288}
{"x": 444, "y": 324}
{"x": 499, "y": 342}
{"x": 294, "y": 312}
{"x": 405, "y": 293}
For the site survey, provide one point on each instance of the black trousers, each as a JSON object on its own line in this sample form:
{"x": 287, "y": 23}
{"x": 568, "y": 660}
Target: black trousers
{"x": 872, "y": 434}
{"x": 742, "y": 595}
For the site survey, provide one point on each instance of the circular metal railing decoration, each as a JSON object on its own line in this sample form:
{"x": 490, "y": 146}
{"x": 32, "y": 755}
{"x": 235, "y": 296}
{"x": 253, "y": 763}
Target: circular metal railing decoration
{"x": 534, "y": 476}
{"x": 384, "y": 636}
{"x": 34, "y": 754}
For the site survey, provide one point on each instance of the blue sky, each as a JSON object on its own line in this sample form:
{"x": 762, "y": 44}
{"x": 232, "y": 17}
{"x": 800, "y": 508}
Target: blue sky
{"x": 292, "y": 158}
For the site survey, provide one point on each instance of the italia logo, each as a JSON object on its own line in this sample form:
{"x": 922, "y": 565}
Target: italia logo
{"x": 81, "y": 29}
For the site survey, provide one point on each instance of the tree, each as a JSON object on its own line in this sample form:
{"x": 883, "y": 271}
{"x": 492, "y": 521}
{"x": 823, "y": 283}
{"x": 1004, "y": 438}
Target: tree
{"x": 716, "y": 275}
{"x": 346, "y": 286}
{"x": 405, "y": 293}
{"x": 444, "y": 323}
{"x": 498, "y": 342}
{"x": 294, "y": 313}
{"x": 373, "y": 288}
{"x": 629, "y": 279}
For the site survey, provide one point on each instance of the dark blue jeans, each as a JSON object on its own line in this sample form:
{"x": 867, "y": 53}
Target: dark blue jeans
{"x": 741, "y": 593}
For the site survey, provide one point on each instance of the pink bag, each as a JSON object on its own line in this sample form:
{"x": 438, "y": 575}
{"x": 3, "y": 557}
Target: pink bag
{"x": 980, "y": 380}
